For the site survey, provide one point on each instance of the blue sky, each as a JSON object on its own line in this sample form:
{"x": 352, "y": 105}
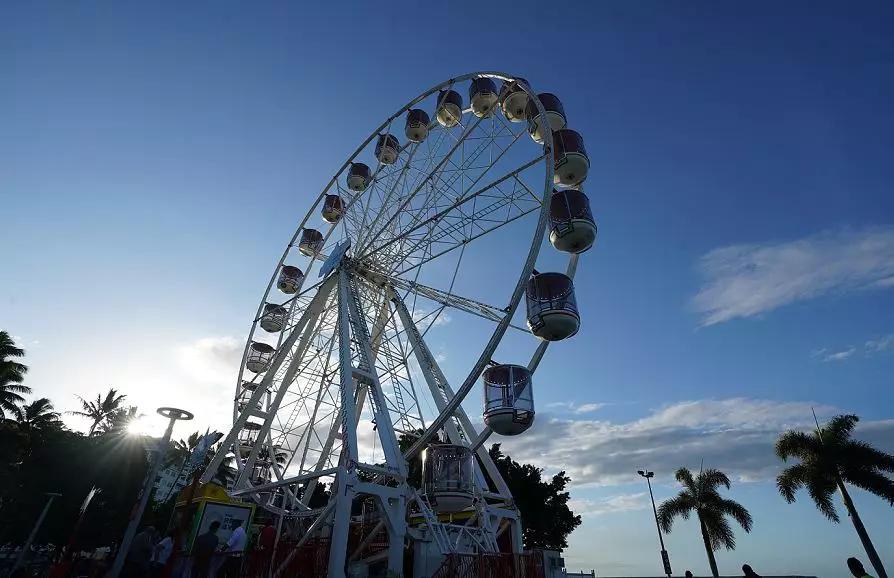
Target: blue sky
{"x": 155, "y": 158}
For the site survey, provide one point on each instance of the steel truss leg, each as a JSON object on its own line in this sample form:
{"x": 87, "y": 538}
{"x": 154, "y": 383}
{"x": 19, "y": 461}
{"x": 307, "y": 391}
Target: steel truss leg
{"x": 316, "y": 303}
{"x": 442, "y": 392}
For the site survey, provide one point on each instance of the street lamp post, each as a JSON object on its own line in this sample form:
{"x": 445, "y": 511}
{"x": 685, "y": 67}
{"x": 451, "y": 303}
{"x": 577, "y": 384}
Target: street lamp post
{"x": 27, "y": 547}
{"x": 173, "y": 414}
{"x": 665, "y": 559}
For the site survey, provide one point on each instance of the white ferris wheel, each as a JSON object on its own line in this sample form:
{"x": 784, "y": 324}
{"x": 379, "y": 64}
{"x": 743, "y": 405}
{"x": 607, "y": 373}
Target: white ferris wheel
{"x": 425, "y": 241}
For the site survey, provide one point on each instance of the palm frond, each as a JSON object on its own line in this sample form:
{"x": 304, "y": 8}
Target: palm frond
{"x": 856, "y": 453}
{"x": 792, "y": 479}
{"x": 712, "y": 479}
{"x": 873, "y": 482}
{"x": 738, "y": 512}
{"x": 821, "y": 492}
{"x": 720, "y": 533}
{"x": 681, "y": 505}
{"x": 839, "y": 428}
{"x": 684, "y": 476}
{"x": 797, "y": 444}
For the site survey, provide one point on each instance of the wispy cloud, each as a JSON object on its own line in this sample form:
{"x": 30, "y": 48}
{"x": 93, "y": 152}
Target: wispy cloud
{"x": 573, "y": 407}
{"x": 734, "y": 435}
{"x": 867, "y": 349}
{"x": 750, "y": 279}
{"x": 612, "y": 504}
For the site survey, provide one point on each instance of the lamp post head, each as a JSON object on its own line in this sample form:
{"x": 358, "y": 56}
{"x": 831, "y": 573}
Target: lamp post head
{"x": 646, "y": 474}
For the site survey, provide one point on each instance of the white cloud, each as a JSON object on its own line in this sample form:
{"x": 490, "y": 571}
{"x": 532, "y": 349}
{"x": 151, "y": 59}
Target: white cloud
{"x": 750, "y": 279}
{"x": 212, "y": 359}
{"x": 868, "y": 349}
{"x": 612, "y": 504}
{"x": 842, "y": 355}
{"x": 879, "y": 345}
{"x": 734, "y": 435}
{"x": 573, "y": 407}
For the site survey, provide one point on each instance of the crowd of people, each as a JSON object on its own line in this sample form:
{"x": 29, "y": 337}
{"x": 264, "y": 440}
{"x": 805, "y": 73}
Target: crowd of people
{"x": 151, "y": 557}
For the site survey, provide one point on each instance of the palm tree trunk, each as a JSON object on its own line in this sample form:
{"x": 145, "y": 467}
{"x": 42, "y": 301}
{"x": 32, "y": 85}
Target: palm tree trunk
{"x": 861, "y": 531}
{"x": 708, "y": 548}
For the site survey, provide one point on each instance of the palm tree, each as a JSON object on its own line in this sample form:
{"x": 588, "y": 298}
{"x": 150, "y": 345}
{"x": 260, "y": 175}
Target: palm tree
{"x": 701, "y": 495}
{"x": 119, "y": 421}
{"x": 12, "y": 373}
{"x": 829, "y": 458}
{"x": 37, "y": 415}
{"x": 99, "y": 410}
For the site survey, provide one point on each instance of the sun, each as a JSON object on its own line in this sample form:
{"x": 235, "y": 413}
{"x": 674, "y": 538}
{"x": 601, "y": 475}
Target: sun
{"x": 141, "y": 427}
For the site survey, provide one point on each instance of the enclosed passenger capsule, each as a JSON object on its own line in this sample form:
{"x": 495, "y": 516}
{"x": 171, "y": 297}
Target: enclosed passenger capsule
{"x": 274, "y": 318}
{"x": 572, "y": 228}
{"x": 552, "y": 308}
{"x": 571, "y": 160}
{"x": 290, "y": 279}
{"x": 417, "y": 125}
{"x": 387, "y": 149}
{"x": 259, "y": 357}
{"x": 483, "y": 97}
{"x": 513, "y": 100}
{"x": 450, "y": 108}
{"x": 243, "y": 400}
{"x": 333, "y": 208}
{"x": 448, "y": 477}
{"x": 555, "y": 115}
{"x": 508, "y": 399}
{"x": 311, "y": 242}
{"x": 249, "y": 434}
{"x": 358, "y": 177}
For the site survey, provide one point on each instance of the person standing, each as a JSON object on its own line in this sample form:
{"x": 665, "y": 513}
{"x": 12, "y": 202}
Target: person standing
{"x": 161, "y": 553}
{"x": 856, "y": 568}
{"x": 234, "y": 551}
{"x": 139, "y": 557}
{"x": 203, "y": 549}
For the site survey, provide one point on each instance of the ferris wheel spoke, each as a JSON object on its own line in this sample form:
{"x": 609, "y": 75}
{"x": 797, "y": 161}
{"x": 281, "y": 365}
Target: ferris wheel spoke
{"x": 458, "y": 423}
{"x": 305, "y": 333}
{"x": 418, "y": 187}
{"x": 436, "y": 219}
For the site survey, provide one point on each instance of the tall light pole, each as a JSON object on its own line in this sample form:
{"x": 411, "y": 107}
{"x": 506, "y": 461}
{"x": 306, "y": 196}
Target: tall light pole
{"x": 665, "y": 559}
{"x": 27, "y": 547}
{"x": 173, "y": 414}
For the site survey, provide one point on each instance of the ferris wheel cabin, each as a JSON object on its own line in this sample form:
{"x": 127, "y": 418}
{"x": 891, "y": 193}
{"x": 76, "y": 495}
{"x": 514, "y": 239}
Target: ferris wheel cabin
{"x": 387, "y": 149}
{"x": 572, "y": 227}
{"x": 448, "y": 477}
{"x": 552, "y": 308}
{"x": 513, "y": 100}
{"x": 572, "y": 162}
{"x": 483, "y": 96}
{"x": 508, "y": 399}
{"x": 450, "y": 108}
{"x": 555, "y": 115}
{"x": 290, "y": 279}
{"x": 333, "y": 209}
{"x": 358, "y": 177}
{"x": 249, "y": 434}
{"x": 274, "y": 318}
{"x": 311, "y": 242}
{"x": 417, "y": 125}
{"x": 259, "y": 357}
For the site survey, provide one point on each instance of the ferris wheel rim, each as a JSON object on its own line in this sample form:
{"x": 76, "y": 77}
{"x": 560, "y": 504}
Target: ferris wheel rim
{"x": 518, "y": 292}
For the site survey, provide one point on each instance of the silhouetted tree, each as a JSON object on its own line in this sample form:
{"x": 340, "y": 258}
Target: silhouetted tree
{"x": 829, "y": 458}
{"x": 701, "y": 495}
{"x": 101, "y": 409}
{"x": 547, "y": 521}
{"x": 12, "y": 373}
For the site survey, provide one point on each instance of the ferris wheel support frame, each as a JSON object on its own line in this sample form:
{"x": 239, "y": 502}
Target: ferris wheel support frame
{"x": 356, "y": 384}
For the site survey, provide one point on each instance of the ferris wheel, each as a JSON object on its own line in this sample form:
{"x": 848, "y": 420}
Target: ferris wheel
{"x": 425, "y": 241}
